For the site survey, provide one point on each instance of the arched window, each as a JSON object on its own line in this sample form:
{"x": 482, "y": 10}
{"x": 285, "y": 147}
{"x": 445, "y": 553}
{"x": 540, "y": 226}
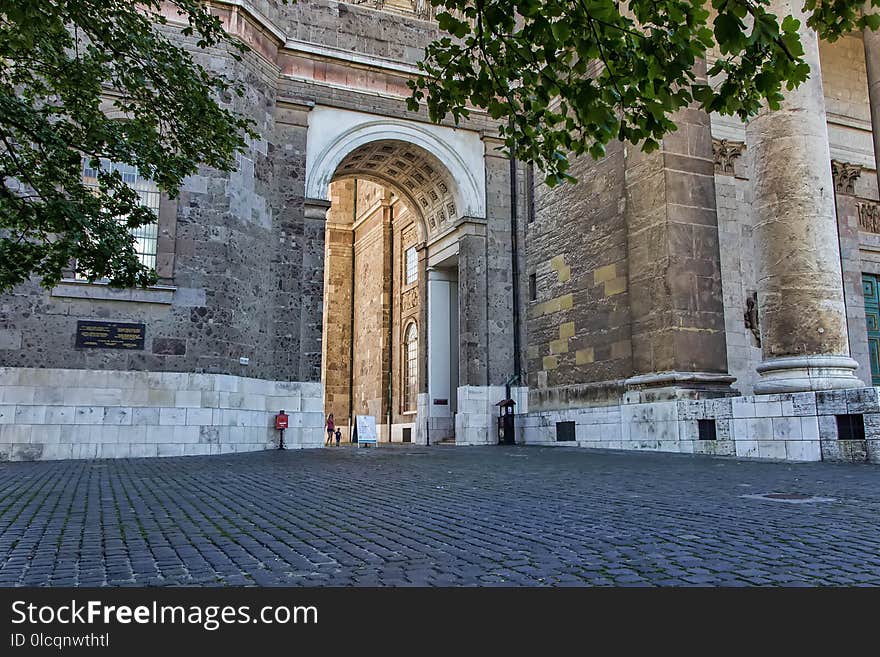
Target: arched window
{"x": 410, "y": 367}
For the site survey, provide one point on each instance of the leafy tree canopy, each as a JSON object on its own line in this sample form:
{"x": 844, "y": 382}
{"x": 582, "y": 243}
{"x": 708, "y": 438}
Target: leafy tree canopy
{"x": 568, "y": 76}
{"x": 58, "y": 60}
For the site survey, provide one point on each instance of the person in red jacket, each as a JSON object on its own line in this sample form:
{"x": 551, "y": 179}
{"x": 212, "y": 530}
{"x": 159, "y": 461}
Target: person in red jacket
{"x": 331, "y": 428}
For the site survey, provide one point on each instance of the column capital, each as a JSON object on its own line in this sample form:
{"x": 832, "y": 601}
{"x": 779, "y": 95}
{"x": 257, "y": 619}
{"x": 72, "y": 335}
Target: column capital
{"x": 845, "y": 175}
{"x": 315, "y": 209}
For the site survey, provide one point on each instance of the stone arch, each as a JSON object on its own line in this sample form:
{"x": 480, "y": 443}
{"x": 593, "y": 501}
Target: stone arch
{"x": 340, "y": 143}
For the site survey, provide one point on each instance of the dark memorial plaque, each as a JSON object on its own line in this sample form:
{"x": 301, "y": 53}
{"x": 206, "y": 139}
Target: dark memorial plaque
{"x": 109, "y": 335}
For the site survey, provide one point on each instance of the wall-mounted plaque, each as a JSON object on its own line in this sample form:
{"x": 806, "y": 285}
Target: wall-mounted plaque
{"x": 109, "y": 335}
{"x": 441, "y": 402}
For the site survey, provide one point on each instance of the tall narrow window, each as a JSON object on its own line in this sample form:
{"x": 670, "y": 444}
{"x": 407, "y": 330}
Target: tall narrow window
{"x": 533, "y": 287}
{"x": 145, "y": 237}
{"x": 411, "y": 368}
{"x": 411, "y": 266}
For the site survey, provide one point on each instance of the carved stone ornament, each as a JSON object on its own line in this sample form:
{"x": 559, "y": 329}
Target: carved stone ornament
{"x": 869, "y": 216}
{"x": 750, "y": 316}
{"x": 845, "y": 176}
{"x": 409, "y": 300}
{"x": 423, "y": 9}
{"x": 725, "y": 153}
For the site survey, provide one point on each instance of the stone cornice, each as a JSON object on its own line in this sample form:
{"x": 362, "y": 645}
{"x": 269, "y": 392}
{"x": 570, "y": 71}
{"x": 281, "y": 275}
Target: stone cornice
{"x": 362, "y": 61}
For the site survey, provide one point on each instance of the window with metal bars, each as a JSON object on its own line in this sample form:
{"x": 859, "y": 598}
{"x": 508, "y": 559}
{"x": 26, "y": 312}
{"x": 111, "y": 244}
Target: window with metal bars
{"x": 145, "y": 237}
{"x": 851, "y": 427}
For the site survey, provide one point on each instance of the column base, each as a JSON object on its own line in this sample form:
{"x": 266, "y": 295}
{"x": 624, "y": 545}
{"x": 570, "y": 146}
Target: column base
{"x": 807, "y": 374}
{"x": 664, "y": 386}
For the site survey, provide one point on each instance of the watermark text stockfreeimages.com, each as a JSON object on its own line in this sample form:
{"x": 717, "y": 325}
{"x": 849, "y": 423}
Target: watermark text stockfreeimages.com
{"x": 209, "y": 617}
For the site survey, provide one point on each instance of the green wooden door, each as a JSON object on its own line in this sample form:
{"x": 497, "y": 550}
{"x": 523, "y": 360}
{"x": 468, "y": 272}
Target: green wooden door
{"x": 871, "y": 290}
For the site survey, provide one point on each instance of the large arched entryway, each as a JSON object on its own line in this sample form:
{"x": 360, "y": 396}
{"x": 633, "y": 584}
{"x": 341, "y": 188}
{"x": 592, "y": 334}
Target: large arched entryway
{"x": 404, "y": 270}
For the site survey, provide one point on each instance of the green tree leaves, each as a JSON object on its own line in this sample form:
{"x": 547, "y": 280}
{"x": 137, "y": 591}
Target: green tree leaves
{"x": 58, "y": 62}
{"x": 574, "y": 74}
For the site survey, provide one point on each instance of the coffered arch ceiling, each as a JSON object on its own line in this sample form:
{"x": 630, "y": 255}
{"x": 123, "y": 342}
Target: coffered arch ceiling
{"x": 411, "y": 172}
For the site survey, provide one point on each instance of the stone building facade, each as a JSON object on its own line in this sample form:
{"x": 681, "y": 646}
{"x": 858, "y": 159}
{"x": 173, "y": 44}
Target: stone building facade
{"x": 718, "y": 296}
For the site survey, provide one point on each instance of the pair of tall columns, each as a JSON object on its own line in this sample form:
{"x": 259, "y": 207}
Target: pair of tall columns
{"x": 801, "y": 304}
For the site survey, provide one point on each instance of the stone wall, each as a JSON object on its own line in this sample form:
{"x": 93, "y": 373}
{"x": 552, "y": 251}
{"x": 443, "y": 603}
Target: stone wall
{"x": 576, "y": 249}
{"x": 221, "y": 268}
{"x": 733, "y": 199}
{"x": 63, "y": 413}
{"x": 371, "y": 307}
{"x": 407, "y": 308}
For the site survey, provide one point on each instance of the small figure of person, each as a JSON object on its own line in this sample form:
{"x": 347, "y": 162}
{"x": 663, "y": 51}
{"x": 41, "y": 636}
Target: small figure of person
{"x": 331, "y": 427}
{"x": 338, "y": 435}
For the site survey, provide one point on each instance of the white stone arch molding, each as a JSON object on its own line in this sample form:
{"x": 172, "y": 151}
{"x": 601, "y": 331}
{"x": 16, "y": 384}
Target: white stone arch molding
{"x": 334, "y": 133}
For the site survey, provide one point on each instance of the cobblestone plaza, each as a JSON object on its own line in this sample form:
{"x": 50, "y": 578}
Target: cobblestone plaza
{"x": 438, "y": 516}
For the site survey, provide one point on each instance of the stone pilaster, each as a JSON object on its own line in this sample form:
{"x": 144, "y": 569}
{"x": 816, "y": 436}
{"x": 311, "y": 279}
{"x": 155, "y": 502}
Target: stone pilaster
{"x": 872, "y": 64}
{"x": 422, "y": 251}
{"x": 338, "y": 302}
{"x": 472, "y": 332}
{"x": 420, "y": 432}
{"x": 312, "y": 288}
{"x": 674, "y": 265}
{"x": 804, "y": 339}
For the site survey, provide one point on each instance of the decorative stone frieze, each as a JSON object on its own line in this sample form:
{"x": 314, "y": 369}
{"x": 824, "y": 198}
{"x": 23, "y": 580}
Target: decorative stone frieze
{"x": 409, "y": 300}
{"x": 869, "y": 216}
{"x": 419, "y": 8}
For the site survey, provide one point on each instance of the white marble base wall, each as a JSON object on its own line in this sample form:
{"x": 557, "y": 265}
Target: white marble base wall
{"x": 476, "y": 422}
{"x": 791, "y": 426}
{"x": 397, "y": 432}
{"x": 62, "y": 414}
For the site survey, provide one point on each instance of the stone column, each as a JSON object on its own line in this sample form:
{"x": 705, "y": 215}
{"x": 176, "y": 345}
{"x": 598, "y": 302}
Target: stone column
{"x": 442, "y": 328}
{"x": 442, "y": 386}
{"x": 804, "y": 338}
{"x": 422, "y": 251}
{"x": 872, "y": 64}
{"x": 312, "y": 289}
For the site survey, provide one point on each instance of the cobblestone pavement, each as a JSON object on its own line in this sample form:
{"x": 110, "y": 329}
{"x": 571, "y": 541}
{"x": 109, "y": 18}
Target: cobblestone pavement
{"x": 437, "y": 516}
